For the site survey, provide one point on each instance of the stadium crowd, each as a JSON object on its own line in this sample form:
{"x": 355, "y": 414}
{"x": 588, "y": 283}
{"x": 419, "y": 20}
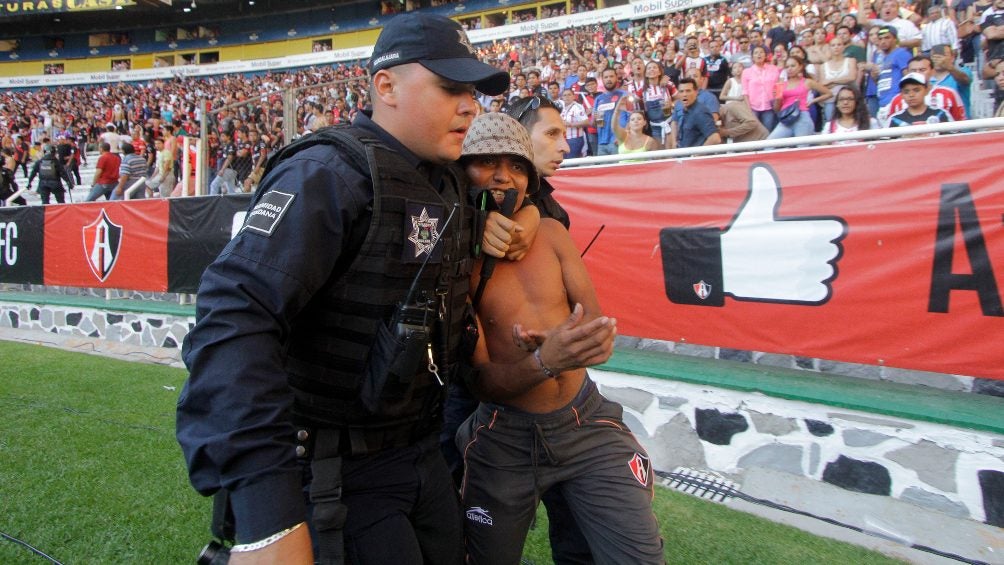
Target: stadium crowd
{"x": 732, "y": 71}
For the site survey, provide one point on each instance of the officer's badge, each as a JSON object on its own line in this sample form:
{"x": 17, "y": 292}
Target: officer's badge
{"x": 423, "y": 229}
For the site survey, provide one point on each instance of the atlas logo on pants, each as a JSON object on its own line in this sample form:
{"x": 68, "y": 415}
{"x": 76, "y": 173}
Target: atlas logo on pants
{"x": 479, "y": 515}
{"x": 102, "y": 239}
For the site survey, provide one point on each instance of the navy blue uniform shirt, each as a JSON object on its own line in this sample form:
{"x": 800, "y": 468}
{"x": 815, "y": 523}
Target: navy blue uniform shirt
{"x": 233, "y": 414}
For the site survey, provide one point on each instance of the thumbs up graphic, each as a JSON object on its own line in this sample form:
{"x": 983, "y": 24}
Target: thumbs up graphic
{"x": 760, "y": 256}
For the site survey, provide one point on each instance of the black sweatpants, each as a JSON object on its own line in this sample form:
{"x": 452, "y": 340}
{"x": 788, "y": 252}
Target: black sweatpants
{"x": 583, "y": 449}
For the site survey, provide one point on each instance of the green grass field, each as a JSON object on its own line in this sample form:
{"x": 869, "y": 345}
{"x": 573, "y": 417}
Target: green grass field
{"x": 90, "y": 473}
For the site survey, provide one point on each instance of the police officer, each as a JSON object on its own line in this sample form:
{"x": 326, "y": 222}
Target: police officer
{"x": 50, "y": 172}
{"x": 329, "y": 325}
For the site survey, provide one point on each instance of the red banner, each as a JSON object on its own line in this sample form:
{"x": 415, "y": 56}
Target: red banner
{"x": 886, "y": 253}
{"x": 107, "y": 245}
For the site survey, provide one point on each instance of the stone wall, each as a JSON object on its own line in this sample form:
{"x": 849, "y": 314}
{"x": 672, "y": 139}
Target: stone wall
{"x": 134, "y": 328}
{"x": 956, "y": 472}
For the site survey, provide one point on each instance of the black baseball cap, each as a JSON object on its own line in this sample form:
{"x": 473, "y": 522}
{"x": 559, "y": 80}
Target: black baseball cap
{"x": 440, "y": 45}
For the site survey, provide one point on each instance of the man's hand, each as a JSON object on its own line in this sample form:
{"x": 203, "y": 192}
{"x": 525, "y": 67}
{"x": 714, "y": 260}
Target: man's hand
{"x": 510, "y": 238}
{"x": 572, "y": 344}
{"x": 938, "y": 61}
{"x": 294, "y": 549}
{"x": 498, "y": 236}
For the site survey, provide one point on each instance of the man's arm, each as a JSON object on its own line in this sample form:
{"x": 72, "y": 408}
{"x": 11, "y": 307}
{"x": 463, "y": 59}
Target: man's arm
{"x": 123, "y": 179}
{"x": 578, "y": 286}
{"x": 573, "y": 344}
{"x": 710, "y": 130}
{"x": 233, "y": 414}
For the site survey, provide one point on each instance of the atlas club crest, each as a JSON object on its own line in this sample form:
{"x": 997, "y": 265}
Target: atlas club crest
{"x": 702, "y": 290}
{"x": 102, "y": 240}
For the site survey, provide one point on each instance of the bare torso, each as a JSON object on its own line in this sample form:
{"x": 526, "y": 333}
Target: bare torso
{"x": 531, "y": 292}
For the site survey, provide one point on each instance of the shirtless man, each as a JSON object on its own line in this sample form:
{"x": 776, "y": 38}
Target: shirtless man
{"x": 556, "y": 430}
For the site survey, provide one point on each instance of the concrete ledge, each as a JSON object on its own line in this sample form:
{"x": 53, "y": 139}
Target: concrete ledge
{"x": 82, "y": 301}
{"x": 958, "y": 409}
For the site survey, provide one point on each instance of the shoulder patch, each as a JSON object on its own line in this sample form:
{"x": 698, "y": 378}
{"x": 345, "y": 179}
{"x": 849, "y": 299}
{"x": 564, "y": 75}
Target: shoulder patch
{"x": 267, "y": 213}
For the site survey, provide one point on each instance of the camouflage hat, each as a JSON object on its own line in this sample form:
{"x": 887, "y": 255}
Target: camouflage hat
{"x": 496, "y": 133}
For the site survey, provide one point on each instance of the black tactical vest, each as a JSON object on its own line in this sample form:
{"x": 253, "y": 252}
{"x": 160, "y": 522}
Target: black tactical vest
{"x": 330, "y": 344}
{"x": 47, "y": 169}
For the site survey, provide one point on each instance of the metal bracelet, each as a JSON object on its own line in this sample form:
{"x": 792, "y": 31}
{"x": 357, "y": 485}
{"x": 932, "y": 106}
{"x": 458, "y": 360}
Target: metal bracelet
{"x": 246, "y": 547}
{"x": 540, "y": 363}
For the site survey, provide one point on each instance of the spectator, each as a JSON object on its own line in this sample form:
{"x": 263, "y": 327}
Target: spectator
{"x": 588, "y": 98}
{"x": 838, "y": 72}
{"x": 657, "y": 99}
{"x": 111, "y": 137}
{"x": 742, "y": 56}
{"x": 791, "y": 102}
{"x": 938, "y": 30}
{"x": 851, "y": 49}
{"x": 818, "y": 52}
{"x": 781, "y": 34}
{"x": 22, "y": 153}
{"x": 890, "y": 15}
{"x": 533, "y": 85}
{"x": 732, "y": 91}
{"x": 938, "y": 97}
{"x": 851, "y": 114}
{"x": 694, "y": 125}
{"x": 718, "y": 67}
{"x": 950, "y": 75}
{"x": 966, "y": 18}
{"x": 890, "y": 64}
{"x": 636, "y": 137}
{"x": 758, "y": 83}
{"x": 259, "y": 153}
{"x": 635, "y": 84}
{"x": 132, "y": 168}
{"x": 162, "y": 181}
{"x": 992, "y": 27}
{"x": 226, "y": 178}
{"x": 672, "y": 61}
{"x": 779, "y": 54}
{"x": 739, "y": 124}
{"x": 575, "y": 119}
{"x": 106, "y": 174}
{"x": 8, "y": 166}
{"x": 914, "y": 88}
{"x": 604, "y": 114}
{"x": 554, "y": 93}
{"x": 999, "y": 88}
{"x": 692, "y": 58}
